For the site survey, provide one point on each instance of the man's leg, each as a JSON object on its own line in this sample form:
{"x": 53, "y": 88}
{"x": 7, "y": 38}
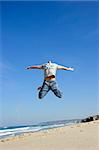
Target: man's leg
{"x": 44, "y": 90}
{"x": 54, "y": 88}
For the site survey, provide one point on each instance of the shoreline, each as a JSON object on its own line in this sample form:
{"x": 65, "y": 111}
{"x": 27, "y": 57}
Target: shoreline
{"x": 14, "y": 131}
{"x": 19, "y": 135}
{"x": 79, "y": 136}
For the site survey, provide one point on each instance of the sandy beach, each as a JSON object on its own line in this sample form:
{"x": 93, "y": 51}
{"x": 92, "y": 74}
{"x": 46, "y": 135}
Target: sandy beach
{"x": 82, "y": 136}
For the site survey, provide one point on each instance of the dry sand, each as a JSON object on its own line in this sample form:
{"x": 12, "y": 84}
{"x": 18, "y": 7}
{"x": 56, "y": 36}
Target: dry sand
{"x": 82, "y": 136}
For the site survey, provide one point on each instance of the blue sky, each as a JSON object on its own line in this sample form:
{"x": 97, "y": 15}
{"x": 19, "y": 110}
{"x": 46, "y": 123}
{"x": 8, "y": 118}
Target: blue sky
{"x": 35, "y": 32}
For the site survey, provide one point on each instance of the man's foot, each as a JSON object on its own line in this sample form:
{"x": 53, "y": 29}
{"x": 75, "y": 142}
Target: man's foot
{"x": 39, "y": 88}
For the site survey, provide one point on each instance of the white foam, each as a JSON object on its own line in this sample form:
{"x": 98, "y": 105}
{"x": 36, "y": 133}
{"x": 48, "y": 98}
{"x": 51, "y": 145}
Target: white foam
{"x": 15, "y": 131}
{"x": 18, "y": 130}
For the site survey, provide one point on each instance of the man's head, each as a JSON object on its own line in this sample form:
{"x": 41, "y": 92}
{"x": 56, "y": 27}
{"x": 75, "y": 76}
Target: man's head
{"x": 49, "y": 61}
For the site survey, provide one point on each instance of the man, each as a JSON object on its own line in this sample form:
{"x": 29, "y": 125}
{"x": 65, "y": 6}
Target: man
{"x": 49, "y": 78}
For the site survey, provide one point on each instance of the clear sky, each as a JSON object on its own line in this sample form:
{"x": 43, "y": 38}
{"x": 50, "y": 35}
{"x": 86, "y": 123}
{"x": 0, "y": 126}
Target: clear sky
{"x": 35, "y": 32}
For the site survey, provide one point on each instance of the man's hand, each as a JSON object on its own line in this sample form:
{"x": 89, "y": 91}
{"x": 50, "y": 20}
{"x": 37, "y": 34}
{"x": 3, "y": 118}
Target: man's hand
{"x": 27, "y": 68}
{"x": 72, "y": 69}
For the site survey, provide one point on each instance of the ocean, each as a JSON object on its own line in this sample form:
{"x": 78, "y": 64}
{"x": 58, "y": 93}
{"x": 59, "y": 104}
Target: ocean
{"x": 6, "y": 132}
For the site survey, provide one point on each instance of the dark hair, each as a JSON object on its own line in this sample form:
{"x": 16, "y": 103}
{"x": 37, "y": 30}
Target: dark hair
{"x": 49, "y": 61}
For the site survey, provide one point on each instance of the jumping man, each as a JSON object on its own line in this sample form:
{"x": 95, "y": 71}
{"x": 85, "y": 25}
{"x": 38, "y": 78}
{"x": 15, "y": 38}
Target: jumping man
{"x": 50, "y": 78}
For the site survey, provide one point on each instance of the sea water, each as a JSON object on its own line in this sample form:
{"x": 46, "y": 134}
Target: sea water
{"x": 12, "y": 131}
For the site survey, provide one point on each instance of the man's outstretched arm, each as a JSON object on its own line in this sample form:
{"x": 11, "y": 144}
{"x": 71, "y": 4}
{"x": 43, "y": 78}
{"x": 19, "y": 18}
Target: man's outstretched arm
{"x": 65, "y": 68}
{"x": 34, "y": 67}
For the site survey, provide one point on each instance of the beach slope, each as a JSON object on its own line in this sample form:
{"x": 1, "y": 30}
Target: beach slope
{"x": 81, "y": 136}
